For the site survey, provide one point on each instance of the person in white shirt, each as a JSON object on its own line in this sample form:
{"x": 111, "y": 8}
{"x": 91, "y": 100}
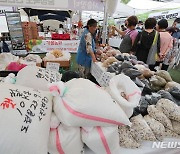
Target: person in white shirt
{"x": 61, "y": 29}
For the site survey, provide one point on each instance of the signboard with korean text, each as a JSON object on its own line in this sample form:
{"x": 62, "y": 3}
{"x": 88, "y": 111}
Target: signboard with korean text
{"x": 49, "y": 45}
{"x": 53, "y": 66}
{"x": 171, "y": 14}
{"x": 88, "y": 5}
{"x": 52, "y": 4}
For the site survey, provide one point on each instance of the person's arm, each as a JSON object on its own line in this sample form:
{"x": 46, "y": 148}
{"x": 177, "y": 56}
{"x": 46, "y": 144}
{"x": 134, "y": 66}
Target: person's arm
{"x": 134, "y": 47}
{"x": 89, "y": 49}
{"x": 158, "y": 44}
{"x": 158, "y": 49}
{"x": 119, "y": 31}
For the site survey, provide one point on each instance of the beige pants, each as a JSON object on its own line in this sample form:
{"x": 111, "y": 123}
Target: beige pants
{"x": 84, "y": 72}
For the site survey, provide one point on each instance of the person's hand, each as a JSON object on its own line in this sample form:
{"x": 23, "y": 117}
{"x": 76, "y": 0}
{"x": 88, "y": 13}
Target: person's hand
{"x": 132, "y": 53}
{"x": 161, "y": 56}
{"x": 94, "y": 60}
{"x": 113, "y": 27}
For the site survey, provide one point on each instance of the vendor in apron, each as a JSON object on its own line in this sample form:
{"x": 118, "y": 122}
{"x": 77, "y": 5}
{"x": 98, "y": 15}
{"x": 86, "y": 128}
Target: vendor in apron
{"x": 128, "y": 35}
{"x": 86, "y": 50}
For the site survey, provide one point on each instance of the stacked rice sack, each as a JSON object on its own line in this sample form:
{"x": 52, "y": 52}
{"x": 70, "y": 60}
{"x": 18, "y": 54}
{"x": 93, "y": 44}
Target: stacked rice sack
{"x": 37, "y": 77}
{"x": 25, "y": 119}
{"x": 79, "y": 103}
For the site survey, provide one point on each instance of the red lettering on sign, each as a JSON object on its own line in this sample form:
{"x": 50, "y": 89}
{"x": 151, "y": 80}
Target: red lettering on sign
{"x": 7, "y": 103}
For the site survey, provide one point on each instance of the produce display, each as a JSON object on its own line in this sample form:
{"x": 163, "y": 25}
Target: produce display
{"x": 137, "y": 105}
{"x": 10, "y": 62}
{"x": 57, "y": 55}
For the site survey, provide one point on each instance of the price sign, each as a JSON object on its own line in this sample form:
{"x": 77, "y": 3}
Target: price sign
{"x": 53, "y": 66}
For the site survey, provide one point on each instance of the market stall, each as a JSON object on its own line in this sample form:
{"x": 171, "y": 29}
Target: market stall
{"x": 134, "y": 110}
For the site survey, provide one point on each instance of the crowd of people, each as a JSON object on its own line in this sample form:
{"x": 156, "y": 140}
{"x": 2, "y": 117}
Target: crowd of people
{"x": 154, "y": 43}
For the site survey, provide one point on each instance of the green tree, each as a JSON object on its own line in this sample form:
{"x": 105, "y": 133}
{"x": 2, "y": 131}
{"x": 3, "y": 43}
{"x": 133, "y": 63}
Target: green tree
{"x": 125, "y": 1}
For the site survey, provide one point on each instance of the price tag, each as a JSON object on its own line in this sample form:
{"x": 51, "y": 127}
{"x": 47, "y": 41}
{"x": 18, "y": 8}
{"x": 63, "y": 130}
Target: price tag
{"x": 53, "y": 66}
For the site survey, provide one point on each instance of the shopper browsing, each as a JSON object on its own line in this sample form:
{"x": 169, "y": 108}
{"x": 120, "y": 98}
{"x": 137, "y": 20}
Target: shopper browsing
{"x": 176, "y": 27}
{"x": 61, "y": 29}
{"x": 166, "y": 44}
{"x": 86, "y": 49}
{"x": 128, "y": 35}
{"x": 147, "y": 43}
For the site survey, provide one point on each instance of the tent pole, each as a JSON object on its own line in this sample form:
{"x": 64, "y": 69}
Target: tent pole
{"x": 71, "y": 23}
{"x": 105, "y": 22}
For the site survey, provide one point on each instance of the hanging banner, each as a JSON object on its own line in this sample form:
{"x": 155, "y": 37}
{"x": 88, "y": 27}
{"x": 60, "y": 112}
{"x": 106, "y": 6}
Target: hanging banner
{"x": 86, "y": 5}
{"x": 49, "y": 45}
{"x": 51, "y": 4}
{"x": 172, "y": 14}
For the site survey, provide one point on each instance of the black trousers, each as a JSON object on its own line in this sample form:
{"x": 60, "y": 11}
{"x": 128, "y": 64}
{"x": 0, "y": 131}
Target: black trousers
{"x": 164, "y": 67}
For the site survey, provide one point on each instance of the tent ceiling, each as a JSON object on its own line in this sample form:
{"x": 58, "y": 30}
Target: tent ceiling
{"x": 39, "y": 12}
{"x": 51, "y": 17}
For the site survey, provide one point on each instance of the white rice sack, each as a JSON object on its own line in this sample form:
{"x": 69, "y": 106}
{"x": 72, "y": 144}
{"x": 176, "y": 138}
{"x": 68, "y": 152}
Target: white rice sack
{"x": 33, "y": 58}
{"x": 176, "y": 126}
{"x": 126, "y": 139}
{"x": 37, "y": 77}
{"x": 169, "y": 108}
{"x": 25, "y": 120}
{"x": 65, "y": 140}
{"x": 157, "y": 128}
{"x": 54, "y": 123}
{"x": 140, "y": 130}
{"x": 80, "y": 102}
{"x": 101, "y": 140}
{"x": 6, "y": 59}
{"x": 125, "y": 92}
{"x": 159, "y": 116}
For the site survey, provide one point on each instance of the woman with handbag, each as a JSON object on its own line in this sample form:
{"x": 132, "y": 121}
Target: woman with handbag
{"x": 147, "y": 44}
{"x": 129, "y": 35}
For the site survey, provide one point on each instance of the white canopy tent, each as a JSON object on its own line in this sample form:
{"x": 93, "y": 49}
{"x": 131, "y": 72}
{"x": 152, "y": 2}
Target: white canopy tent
{"x": 121, "y": 10}
{"x": 149, "y": 5}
